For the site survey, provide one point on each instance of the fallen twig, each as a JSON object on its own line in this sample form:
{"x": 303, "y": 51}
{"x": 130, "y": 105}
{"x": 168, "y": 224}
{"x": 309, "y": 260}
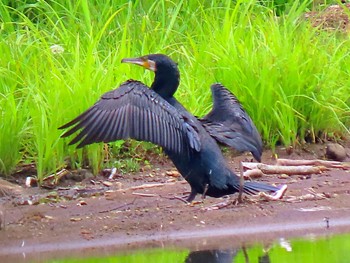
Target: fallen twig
{"x": 145, "y": 195}
{"x": 56, "y": 176}
{"x": 49, "y": 181}
{"x": 146, "y": 186}
{"x": 291, "y": 167}
{"x": 321, "y": 196}
{"x": 328, "y": 164}
{"x": 118, "y": 207}
{"x": 312, "y": 195}
{"x": 111, "y": 194}
{"x": 281, "y": 169}
{"x": 219, "y": 205}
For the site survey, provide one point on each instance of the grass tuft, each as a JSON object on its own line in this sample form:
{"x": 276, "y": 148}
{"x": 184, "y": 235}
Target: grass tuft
{"x": 57, "y": 59}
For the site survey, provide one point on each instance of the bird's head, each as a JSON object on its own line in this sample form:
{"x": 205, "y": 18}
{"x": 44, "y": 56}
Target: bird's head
{"x": 153, "y": 62}
{"x": 167, "y": 75}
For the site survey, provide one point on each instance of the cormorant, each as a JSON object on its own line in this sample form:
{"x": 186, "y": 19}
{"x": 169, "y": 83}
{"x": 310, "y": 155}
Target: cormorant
{"x": 152, "y": 114}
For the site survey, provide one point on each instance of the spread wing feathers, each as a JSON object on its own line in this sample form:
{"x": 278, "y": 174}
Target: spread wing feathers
{"x": 229, "y": 123}
{"x": 134, "y": 111}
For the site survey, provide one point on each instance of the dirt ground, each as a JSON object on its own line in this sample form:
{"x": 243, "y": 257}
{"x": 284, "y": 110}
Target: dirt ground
{"x": 116, "y": 215}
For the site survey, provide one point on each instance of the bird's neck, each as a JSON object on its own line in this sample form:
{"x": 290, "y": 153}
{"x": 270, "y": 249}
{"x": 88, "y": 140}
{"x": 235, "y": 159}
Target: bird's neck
{"x": 166, "y": 84}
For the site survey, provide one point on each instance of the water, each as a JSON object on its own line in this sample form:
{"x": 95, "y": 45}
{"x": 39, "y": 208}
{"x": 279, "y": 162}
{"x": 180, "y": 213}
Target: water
{"x": 322, "y": 249}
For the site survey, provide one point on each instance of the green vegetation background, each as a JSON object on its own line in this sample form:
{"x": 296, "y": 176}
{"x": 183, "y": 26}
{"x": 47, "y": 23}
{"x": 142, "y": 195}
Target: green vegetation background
{"x": 292, "y": 79}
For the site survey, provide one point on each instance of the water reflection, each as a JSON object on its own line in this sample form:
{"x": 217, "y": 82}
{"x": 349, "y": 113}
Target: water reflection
{"x": 265, "y": 258}
{"x": 211, "y": 256}
{"x": 261, "y": 255}
{"x": 226, "y": 256}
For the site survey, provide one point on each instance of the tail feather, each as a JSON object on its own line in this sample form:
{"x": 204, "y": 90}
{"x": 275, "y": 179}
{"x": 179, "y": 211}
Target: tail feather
{"x": 253, "y": 188}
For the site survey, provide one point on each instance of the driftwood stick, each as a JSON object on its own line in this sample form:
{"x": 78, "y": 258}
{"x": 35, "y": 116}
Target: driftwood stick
{"x": 280, "y": 169}
{"x": 316, "y": 162}
{"x": 145, "y": 186}
{"x": 144, "y": 194}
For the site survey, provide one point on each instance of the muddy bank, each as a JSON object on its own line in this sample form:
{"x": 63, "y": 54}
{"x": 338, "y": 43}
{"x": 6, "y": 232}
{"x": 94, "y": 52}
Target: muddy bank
{"x": 150, "y": 217}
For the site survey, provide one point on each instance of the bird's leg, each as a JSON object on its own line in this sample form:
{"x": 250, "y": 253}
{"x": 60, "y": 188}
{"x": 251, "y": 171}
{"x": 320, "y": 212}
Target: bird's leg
{"x": 189, "y": 198}
{"x": 182, "y": 199}
{"x": 241, "y": 183}
{"x": 192, "y": 195}
{"x": 205, "y": 190}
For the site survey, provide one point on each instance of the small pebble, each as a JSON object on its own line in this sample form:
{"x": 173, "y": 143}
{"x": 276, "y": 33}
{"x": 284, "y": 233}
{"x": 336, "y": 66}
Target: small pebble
{"x": 284, "y": 176}
{"x": 75, "y": 219}
{"x": 108, "y": 184}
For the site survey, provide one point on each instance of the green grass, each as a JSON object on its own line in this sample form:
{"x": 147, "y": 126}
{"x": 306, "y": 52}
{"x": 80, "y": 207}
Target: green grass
{"x": 292, "y": 79}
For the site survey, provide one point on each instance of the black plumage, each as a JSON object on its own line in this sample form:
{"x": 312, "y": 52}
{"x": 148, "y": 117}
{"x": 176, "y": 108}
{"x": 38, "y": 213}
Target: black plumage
{"x": 229, "y": 124}
{"x": 134, "y": 111}
{"x": 137, "y": 112}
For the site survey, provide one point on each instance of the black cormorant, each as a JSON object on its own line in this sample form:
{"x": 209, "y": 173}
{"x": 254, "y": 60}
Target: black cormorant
{"x": 153, "y": 114}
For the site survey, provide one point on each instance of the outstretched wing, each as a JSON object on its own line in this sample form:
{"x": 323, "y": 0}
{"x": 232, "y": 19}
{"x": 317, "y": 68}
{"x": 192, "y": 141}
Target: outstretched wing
{"x": 229, "y": 123}
{"x": 137, "y": 112}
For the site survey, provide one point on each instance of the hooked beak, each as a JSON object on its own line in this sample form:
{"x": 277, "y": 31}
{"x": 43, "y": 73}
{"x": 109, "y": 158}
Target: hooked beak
{"x": 141, "y": 61}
